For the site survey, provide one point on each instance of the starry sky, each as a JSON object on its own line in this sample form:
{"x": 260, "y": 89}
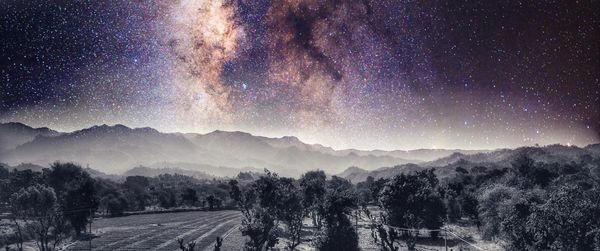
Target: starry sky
{"x": 367, "y": 74}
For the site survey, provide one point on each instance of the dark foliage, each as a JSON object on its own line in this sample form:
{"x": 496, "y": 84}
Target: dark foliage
{"x": 313, "y": 189}
{"x": 340, "y": 201}
{"x": 76, "y": 192}
{"x": 413, "y": 201}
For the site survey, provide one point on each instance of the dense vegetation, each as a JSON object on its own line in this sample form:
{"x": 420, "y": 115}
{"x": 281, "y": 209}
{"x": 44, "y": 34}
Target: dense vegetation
{"x": 56, "y": 203}
{"x": 529, "y": 205}
{"x": 275, "y": 207}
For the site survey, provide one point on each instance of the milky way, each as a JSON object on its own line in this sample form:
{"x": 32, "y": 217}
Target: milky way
{"x": 354, "y": 73}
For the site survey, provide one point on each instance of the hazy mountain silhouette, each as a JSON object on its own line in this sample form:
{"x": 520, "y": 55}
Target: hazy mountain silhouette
{"x": 551, "y": 154}
{"x": 219, "y": 171}
{"x": 15, "y": 134}
{"x": 115, "y": 149}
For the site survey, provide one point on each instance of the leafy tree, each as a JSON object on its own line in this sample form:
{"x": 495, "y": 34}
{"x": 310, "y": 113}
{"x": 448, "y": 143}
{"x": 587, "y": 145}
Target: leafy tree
{"x": 167, "y": 198}
{"x": 244, "y": 199}
{"x": 340, "y": 200}
{"x": 376, "y": 188}
{"x": 290, "y": 211}
{"x": 115, "y": 204}
{"x": 36, "y": 206}
{"x": 112, "y": 201}
{"x": 412, "y": 201}
{"x": 245, "y": 176}
{"x": 261, "y": 228}
{"x": 526, "y": 167}
{"x": 514, "y": 215}
{"x": 258, "y": 223}
{"x": 212, "y": 202}
{"x": 567, "y": 221}
{"x": 382, "y": 234}
{"x": 491, "y": 201}
{"x": 18, "y": 180}
{"x": 189, "y": 196}
{"x": 3, "y": 172}
{"x": 137, "y": 190}
{"x": 313, "y": 188}
{"x": 76, "y": 192}
{"x": 265, "y": 203}
{"x": 468, "y": 205}
{"x": 364, "y": 190}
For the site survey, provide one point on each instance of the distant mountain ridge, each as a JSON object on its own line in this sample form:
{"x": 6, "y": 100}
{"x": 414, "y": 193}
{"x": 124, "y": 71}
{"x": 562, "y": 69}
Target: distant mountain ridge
{"x": 503, "y": 158}
{"x": 115, "y": 149}
{"x": 14, "y": 134}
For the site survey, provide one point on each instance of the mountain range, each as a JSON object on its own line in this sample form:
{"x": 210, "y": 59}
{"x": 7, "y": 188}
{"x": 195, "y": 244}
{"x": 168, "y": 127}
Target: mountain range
{"x": 117, "y": 149}
{"x": 588, "y": 156}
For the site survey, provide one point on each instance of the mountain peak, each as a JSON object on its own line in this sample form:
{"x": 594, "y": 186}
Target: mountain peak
{"x": 290, "y": 139}
{"x": 15, "y": 125}
{"x": 232, "y": 133}
{"x": 117, "y": 128}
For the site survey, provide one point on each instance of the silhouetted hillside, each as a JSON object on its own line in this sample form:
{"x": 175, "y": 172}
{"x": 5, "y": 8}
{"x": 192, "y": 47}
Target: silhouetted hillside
{"x": 15, "y": 134}
{"x": 115, "y": 149}
{"x": 551, "y": 155}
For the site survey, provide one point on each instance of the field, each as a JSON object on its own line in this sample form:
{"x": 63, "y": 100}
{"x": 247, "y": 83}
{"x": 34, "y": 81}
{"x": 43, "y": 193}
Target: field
{"x": 160, "y": 231}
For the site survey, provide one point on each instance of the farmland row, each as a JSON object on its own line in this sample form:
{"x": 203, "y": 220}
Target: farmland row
{"x": 160, "y": 231}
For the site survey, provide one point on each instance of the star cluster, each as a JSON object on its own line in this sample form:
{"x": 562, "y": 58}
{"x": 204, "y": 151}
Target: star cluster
{"x": 355, "y": 73}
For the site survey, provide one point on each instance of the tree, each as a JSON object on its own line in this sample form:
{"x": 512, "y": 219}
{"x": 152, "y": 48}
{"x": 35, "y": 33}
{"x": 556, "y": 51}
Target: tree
{"x": 189, "y": 196}
{"x": 258, "y": 224}
{"x": 412, "y": 201}
{"x": 76, "y": 192}
{"x": 167, "y": 198}
{"x": 261, "y": 228}
{"x": 514, "y": 217}
{"x": 245, "y": 176}
{"x": 212, "y": 201}
{"x": 290, "y": 211}
{"x": 36, "y": 207}
{"x": 17, "y": 180}
{"x": 364, "y": 190}
{"x": 340, "y": 200}
{"x": 491, "y": 200}
{"x": 567, "y": 221}
{"x": 313, "y": 188}
{"x": 137, "y": 190}
{"x": 265, "y": 203}
{"x": 115, "y": 204}
{"x": 3, "y": 172}
{"x": 535, "y": 173}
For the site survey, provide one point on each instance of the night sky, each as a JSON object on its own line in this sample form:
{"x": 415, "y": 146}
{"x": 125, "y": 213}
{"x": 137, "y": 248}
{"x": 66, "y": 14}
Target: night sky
{"x": 363, "y": 74}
